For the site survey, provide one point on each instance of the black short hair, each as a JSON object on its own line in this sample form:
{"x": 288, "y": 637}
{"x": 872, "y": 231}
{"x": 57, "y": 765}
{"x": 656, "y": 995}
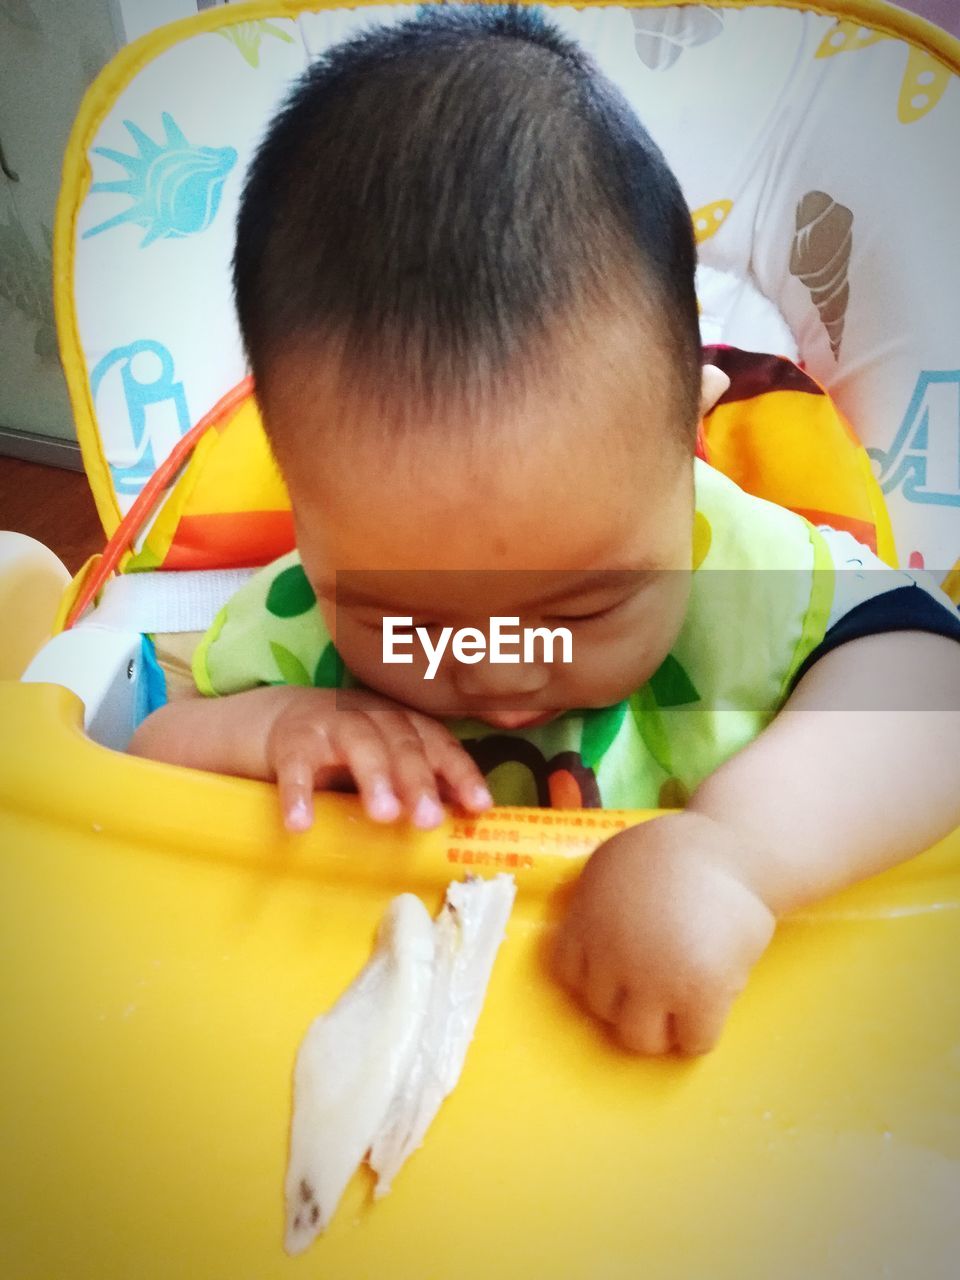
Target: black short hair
{"x": 436, "y": 194}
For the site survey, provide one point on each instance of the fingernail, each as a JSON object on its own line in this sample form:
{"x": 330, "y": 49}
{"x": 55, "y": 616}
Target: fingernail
{"x": 481, "y": 797}
{"x": 299, "y": 816}
{"x": 384, "y": 805}
{"x": 427, "y": 812}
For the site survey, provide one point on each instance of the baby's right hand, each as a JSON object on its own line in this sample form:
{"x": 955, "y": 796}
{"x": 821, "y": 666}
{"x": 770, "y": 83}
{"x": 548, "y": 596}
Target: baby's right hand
{"x": 399, "y": 760}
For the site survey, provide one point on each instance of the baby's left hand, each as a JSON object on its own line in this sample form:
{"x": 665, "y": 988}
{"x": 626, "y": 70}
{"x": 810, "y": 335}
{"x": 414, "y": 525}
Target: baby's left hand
{"x": 662, "y": 933}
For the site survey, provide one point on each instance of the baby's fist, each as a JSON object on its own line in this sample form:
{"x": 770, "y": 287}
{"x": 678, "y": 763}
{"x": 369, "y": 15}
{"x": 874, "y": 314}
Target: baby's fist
{"x": 662, "y": 933}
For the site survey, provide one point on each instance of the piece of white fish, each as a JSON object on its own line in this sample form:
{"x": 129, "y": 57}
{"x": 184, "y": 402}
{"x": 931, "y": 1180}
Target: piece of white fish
{"x": 468, "y": 930}
{"x": 350, "y": 1065}
{"x": 372, "y": 1072}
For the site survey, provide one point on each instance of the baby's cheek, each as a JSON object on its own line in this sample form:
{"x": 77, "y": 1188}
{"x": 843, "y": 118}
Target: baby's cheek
{"x": 607, "y": 673}
{"x": 668, "y": 607}
{"x": 362, "y": 650}
{"x": 614, "y": 665}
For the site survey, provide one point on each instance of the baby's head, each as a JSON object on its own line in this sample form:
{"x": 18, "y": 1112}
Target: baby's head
{"x": 465, "y": 280}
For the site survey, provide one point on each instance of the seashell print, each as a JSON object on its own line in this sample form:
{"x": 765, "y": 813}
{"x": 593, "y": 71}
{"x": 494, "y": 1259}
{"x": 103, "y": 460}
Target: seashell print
{"x": 708, "y": 219}
{"x": 845, "y": 36}
{"x": 248, "y": 36}
{"x": 924, "y": 82}
{"x": 175, "y": 188}
{"x": 661, "y": 35}
{"x": 25, "y": 277}
{"x": 820, "y": 258}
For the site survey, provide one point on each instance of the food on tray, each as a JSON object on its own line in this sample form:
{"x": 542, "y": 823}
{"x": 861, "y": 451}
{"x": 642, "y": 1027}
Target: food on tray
{"x": 372, "y": 1072}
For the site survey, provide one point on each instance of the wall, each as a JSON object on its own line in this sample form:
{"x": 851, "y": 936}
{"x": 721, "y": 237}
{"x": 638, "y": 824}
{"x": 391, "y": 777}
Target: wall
{"x": 50, "y": 50}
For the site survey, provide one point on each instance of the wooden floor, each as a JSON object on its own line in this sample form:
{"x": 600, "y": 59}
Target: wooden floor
{"x": 53, "y": 506}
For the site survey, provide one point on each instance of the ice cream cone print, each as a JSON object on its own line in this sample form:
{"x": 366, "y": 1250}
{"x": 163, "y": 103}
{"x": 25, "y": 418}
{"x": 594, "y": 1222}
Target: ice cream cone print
{"x": 821, "y": 258}
{"x": 923, "y": 84}
{"x": 708, "y": 219}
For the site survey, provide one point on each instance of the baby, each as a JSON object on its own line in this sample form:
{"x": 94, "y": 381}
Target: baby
{"x": 465, "y": 281}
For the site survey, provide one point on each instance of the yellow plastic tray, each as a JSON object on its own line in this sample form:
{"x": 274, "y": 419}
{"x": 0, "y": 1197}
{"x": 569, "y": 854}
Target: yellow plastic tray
{"x": 165, "y": 946}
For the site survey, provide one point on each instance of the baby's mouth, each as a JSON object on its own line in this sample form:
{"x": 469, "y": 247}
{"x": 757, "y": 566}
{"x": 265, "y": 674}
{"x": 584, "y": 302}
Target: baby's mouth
{"x": 516, "y": 719}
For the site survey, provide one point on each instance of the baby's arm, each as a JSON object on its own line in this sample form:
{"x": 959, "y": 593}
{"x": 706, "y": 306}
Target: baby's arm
{"x": 218, "y": 735}
{"x": 670, "y": 916}
{"x": 858, "y": 772}
{"x": 320, "y": 739}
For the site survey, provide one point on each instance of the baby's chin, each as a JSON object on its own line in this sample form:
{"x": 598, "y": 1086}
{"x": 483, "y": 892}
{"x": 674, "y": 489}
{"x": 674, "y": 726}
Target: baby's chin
{"x": 495, "y": 719}
{"x": 506, "y": 719}
{"x": 516, "y": 719}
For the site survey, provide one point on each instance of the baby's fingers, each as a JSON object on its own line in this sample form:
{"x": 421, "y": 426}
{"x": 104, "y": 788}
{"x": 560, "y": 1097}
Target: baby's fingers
{"x": 457, "y": 772}
{"x": 295, "y": 785}
{"x": 413, "y": 775}
{"x": 644, "y": 1026}
{"x": 297, "y": 751}
{"x": 697, "y": 1029}
{"x": 365, "y": 752}
{"x": 568, "y": 960}
{"x": 603, "y": 990}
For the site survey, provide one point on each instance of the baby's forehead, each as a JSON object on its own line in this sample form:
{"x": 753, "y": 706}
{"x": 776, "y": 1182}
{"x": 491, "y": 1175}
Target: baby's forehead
{"x": 603, "y": 383}
{"x": 568, "y": 475}
{"x": 424, "y": 532}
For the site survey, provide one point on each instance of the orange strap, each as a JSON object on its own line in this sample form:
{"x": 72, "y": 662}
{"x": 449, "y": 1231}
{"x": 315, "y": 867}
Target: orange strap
{"x": 131, "y": 524}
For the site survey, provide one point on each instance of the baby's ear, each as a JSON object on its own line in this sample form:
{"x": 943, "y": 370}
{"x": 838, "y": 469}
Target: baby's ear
{"x": 713, "y": 384}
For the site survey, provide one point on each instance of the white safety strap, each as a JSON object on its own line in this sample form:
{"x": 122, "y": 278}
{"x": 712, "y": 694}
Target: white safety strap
{"x": 166, "y": 601}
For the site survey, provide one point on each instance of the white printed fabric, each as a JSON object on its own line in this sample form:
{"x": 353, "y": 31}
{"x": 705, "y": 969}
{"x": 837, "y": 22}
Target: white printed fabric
{"x": 819, "y": 159}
